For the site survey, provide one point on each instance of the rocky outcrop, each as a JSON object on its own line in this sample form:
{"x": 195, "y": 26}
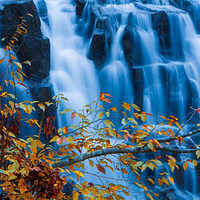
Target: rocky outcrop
{"x": 130, "y": 44}
{"x": 99, "y": 50}
{"x": 32, "y": 46}
{"x": 80, "y": 5}
{"x": 161, "y": 25}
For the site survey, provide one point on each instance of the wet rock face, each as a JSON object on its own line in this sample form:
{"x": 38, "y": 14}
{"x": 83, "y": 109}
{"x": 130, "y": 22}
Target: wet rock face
{"x": 131, "y": 44}
{"x": 161, "y": 25}
{"x": 80, "y": 5}
{"x": 101, "y": 42}
{"x": 32, "y": 46}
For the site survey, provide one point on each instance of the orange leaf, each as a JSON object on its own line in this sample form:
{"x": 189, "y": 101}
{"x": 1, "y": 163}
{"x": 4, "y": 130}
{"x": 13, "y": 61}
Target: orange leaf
{"x": 124, "y": 171}
{"x": 65, "y": 129}
{"x": 108, "y": 95}
{"x": 101, "y": 168}
{"x": 126, "y": 106}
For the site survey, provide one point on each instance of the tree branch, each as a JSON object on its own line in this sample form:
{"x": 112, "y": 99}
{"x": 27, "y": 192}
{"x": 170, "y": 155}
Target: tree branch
{"x": 191, "y": 133}
{"x": 103, "y": 152}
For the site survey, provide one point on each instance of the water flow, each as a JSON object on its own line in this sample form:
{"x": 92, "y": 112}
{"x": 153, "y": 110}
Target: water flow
{"x": 114, "y": 77}
{"x": 72, "y": 74}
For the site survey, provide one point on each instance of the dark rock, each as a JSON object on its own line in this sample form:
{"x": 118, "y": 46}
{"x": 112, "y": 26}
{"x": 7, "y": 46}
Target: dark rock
{"x": 80, "y": 5}
{"x": 131, "y": 44}
{"x": 161, "y": 25}
{"x": 99, "y": 50}
{"x": 138, "y": 85}
{"x": 32, "y": 46}
{"x": 94, "y": 12}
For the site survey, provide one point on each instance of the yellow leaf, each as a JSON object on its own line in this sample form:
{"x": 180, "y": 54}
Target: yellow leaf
{"x": 160, "y": 182}
{"x": 70, "y": 139}
{"x": 194, "y": 162}
{"x": 114, "y": 109}
{"x": 12, "y": 177}
{"x": 107, "y": 114}
{"x": 149, "y": 195}
{"x": 100, "y": 115}
{"x": 108, "y": 123}
{"x": 33, "y": 146}
{"x": 20, "y": 183}
{"x": 51, "y": 154}
{"x": 18, "y": 64}
{"x": 91, "y": 163}
{"x": 54, "y": 138}
{"x": 126, "y": 106}
{"x": 124, "y": 122}
{"x": 143, "y": 117}
{"x": 149, "y": 179}
{"x": 135, "y": 107}
{"x": 165, "y": 181}
{"x": 132, "y": 120}
{"x": 171, "y": 179}
{"x": 144, "y": 167}
{"x": 41, "y": 106}
{"x": 60, "y": 195}
{"x": 198, "y": 153}
{"x": 20, "y": 76}
{"x": 185, "y": 165}
{"x": 75, "y": 195}
{"x": 65, "y": 111}
{"x": 79, "y": 173}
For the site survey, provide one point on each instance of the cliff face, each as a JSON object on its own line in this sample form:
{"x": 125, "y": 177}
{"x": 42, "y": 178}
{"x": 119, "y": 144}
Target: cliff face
{"x": 32, "y": 47}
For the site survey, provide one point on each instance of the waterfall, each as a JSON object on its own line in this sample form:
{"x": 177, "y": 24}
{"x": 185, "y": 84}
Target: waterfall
{"x": 146, "y": 52}
{"x": 72, "y": 74}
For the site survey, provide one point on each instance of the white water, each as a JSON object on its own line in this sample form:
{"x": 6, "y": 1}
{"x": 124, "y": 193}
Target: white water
{"x": 72, "y": 74}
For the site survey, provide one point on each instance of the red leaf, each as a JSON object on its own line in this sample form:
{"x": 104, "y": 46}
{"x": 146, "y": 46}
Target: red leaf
{"x": 90, "y": 184}
{"x": 74, "y": 114}
{"x": 101, "y": 168}
{"x": 102, "y": 97}
{"x": 61, "y": 140}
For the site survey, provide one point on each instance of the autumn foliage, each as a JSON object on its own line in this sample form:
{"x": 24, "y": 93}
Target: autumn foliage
{"x": 31, "y": 169}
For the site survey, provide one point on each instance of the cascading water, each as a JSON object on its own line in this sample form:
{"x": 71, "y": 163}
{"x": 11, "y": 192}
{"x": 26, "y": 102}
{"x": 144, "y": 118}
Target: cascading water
{"x": 153, "y": 59}
{"x": 72, "y": 74}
